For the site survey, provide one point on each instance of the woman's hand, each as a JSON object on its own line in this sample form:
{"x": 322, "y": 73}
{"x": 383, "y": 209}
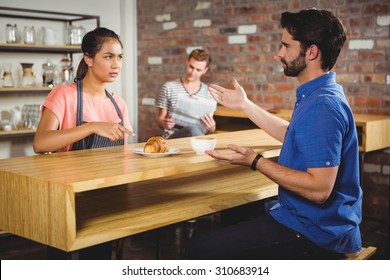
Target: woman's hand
{"x": 242, "y": 156}
{"x": 208, "y": 122}
{"x": 234, "y": 99}
{"x": 113, "y": 131}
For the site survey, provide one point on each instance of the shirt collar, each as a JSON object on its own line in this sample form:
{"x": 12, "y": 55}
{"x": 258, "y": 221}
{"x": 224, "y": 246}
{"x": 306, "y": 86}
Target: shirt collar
{"x": 308, "y": 88}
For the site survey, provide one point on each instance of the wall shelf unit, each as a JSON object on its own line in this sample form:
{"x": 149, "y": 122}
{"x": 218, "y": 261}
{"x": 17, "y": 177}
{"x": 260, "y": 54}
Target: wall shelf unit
{"x": 46, "y": 15}
{"x": 38, "y": 16}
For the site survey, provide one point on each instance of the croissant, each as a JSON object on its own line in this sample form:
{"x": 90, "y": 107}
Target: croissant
{"x": 156, "y": 144}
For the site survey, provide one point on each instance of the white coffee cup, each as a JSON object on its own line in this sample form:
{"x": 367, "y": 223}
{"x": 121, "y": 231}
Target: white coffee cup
{"x": 200, "y": 144}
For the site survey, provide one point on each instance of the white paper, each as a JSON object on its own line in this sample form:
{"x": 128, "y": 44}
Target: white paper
{"x": 189, "y": 110}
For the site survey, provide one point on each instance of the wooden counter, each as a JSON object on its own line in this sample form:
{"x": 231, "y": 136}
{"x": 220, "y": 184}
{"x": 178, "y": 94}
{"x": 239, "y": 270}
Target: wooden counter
{"x": 373, "y": 130}
{"x": 77, "y": 199}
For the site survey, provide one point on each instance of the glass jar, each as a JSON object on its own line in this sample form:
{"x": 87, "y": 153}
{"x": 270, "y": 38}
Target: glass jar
{"x": 29, "y": 35}
{"x": 74, "y": 35}
{"x": 66, "y": 69}
{"x": 11, "y": 34}
{"x": 48, "y": 74}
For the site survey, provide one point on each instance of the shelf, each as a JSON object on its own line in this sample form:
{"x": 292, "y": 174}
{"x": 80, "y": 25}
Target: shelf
{"x": 138, "y": 207}
{"x": 17, "y": 90}
{"x": 16, "y": 133}
{"x": 40, "y": 48}
{"x": 67, "y": 18}
{"x": 46, "y": 15}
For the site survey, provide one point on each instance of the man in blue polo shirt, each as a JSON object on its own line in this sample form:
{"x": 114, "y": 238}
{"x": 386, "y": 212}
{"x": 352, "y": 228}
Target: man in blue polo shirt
{"x": 319, "y": 202}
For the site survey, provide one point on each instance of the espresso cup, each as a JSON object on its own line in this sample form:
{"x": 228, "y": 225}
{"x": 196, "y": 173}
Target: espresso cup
{"x": 201, "y": 144}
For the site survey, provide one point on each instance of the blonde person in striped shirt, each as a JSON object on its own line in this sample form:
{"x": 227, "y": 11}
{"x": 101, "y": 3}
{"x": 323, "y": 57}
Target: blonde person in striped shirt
{"x": 189, "y": 85}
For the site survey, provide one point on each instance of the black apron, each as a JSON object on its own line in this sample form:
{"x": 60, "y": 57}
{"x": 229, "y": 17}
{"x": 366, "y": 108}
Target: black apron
{"x": 93, "y": 140}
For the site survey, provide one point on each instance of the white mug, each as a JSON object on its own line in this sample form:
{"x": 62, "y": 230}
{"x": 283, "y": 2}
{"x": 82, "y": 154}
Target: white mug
{"x": 49, "y": 36}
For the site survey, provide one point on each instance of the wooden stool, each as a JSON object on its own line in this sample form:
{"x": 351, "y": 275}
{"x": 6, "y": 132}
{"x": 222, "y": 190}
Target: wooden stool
{"x": 364, "y": 254}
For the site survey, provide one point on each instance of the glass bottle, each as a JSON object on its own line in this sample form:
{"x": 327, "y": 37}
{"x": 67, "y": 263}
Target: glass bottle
{"x": 66, "y": 69}
{"x": 11, "y": 33}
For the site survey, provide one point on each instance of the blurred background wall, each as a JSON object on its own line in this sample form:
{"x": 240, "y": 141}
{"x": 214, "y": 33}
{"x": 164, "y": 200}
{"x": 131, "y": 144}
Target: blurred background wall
{"x": 243, "y": 37}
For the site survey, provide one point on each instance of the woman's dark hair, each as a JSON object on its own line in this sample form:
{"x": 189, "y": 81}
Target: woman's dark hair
{"x": 91, "y": 44}
{"x": 317, "y": 27}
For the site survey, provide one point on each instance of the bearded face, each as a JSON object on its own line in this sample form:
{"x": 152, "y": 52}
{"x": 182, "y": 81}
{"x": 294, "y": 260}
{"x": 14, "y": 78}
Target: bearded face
{"x": 296, "y": 66}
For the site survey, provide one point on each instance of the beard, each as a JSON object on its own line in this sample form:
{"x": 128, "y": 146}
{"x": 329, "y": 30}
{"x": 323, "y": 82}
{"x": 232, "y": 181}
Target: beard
{"x": 295, "y": 67}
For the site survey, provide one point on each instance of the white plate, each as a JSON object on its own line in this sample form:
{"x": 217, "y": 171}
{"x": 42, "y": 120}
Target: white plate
{"x": 171, "y": 151}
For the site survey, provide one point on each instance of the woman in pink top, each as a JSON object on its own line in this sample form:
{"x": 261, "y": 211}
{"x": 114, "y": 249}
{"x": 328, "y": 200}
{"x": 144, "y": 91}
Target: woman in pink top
{"x": 84, "y": 115}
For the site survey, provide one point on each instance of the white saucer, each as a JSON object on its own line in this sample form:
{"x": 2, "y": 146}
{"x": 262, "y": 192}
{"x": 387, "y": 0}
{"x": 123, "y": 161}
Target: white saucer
{"x": 171, "y": 151}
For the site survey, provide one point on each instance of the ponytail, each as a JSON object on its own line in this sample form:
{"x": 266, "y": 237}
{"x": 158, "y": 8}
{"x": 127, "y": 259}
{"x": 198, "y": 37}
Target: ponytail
{"x": 82, "y": 70}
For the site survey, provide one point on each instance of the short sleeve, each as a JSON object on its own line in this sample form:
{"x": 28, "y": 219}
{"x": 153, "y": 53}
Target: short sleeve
{"x": 56, "y": 102}
{"x": 319, "y": 136}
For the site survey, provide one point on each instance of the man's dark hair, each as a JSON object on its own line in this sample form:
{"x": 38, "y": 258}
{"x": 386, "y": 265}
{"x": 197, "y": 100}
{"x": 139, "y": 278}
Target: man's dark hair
{"x": 317, "y": 27}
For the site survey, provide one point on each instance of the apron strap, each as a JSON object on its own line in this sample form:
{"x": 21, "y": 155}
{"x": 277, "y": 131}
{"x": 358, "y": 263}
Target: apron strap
{"x": 79, "y": 114}
{"x": 116, "y": 106}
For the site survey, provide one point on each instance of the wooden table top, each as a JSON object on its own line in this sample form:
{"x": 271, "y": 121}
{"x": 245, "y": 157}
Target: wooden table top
{"x": 99, "y": 168}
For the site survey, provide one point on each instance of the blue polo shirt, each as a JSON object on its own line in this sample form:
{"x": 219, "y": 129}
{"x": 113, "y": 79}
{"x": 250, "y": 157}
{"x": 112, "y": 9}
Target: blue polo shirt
{"x": 322, "y": 133}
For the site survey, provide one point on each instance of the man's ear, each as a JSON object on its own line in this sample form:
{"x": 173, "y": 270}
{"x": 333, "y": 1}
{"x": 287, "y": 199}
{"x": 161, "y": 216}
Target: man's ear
{"x": 313, "y": 52}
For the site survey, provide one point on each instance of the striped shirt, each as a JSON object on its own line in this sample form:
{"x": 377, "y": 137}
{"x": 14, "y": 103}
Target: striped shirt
{"x": 171, "y": 91}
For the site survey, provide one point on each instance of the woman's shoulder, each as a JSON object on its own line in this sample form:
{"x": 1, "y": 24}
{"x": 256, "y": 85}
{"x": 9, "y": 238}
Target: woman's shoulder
{"x": 61, "y": 96}
{"x": 63, "y": 89}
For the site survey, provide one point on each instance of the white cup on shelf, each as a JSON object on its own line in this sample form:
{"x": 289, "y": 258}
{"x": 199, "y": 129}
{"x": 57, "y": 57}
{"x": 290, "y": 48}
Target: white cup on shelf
{"x": 49, "y": 36}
